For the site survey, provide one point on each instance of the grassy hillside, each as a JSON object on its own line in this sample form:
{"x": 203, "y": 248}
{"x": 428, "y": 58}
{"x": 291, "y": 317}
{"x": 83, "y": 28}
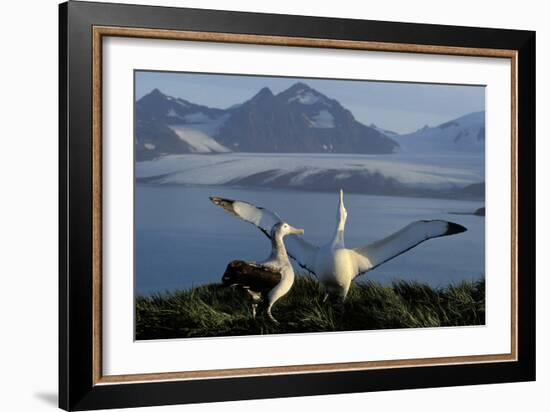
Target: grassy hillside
{"x": 213, "y": 310}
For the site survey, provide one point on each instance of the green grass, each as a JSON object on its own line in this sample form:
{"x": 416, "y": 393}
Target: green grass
{"x": 213, "y": 310}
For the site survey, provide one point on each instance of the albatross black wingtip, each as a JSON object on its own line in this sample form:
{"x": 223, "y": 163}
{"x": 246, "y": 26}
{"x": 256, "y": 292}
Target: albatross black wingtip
{"x": 454, "y": 228}
{"x": 226, "y": 204}
{"x": 220, "y": 201}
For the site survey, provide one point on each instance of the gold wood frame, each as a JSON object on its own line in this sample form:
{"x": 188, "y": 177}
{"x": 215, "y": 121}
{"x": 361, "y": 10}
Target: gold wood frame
{"x": 101, "y": 31}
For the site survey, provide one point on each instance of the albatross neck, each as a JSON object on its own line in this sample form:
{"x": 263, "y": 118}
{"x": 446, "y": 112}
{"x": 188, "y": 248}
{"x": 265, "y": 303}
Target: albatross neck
{"x": 339, "y": 233}
{"x": 278, "y": 249}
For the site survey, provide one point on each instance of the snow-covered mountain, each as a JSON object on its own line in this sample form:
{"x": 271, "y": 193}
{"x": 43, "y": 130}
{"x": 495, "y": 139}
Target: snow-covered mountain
{"x": 168, "y": 125}
{"x": 297, "y": 120}
{"x": 464, "y": 134}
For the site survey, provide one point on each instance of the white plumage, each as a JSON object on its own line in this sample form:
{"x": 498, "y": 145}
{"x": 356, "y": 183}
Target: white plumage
{"x": 333, "y": 263}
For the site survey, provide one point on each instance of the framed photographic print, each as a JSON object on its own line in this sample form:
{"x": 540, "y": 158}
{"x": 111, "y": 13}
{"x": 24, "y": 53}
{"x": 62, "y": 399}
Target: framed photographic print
{"x": 257, "y": 205}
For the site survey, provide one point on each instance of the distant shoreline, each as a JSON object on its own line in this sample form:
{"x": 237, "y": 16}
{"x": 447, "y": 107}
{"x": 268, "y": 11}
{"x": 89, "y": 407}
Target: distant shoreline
{"x": 420, "y": 193}
{"x": 478, "y": 212}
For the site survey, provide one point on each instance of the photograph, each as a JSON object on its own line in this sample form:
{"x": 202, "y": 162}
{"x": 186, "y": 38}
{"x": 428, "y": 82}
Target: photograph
{"x": 270, "y": 205}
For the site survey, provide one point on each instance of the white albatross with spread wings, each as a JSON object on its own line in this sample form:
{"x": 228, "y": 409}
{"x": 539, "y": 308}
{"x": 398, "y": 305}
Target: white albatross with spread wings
{"x": 333, "y": 263}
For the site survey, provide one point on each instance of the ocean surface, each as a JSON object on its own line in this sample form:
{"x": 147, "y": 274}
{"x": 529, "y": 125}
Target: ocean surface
{"x": 182, "y": 240}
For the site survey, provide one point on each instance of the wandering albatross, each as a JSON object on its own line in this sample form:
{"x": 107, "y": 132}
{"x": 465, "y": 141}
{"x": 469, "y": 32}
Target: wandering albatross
{"x": 266, "y": 281}
{"x": 335, "y": 265}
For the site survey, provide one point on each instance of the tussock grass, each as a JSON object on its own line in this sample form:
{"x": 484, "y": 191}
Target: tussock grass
{"x": 213, "y": 310}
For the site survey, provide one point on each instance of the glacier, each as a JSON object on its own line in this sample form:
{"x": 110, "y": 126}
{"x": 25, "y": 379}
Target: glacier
{"x": 392, "y": 174}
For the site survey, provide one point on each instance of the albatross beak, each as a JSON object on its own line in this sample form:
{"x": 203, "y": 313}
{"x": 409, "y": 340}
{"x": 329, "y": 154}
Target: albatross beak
{"x": 296, "y": 231}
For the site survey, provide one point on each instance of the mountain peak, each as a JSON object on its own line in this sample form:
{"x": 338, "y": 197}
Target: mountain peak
{"x": 156, "y": 93}
{"x": 299, "y": 119}
{"x": 263, "y": 93}
{"x": 300, "y": 85}
{"x": 462, "y": 134}
{"x": 301, "y": 93}
{"x": 301, "y": 88}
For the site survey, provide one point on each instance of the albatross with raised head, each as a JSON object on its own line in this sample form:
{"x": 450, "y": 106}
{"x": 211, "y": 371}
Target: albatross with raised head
{"x": 335, "y": 265}
{"x": 266, "y": 281}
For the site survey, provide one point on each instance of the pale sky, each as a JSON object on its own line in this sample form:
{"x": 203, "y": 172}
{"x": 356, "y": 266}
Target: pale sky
{"x": 401, "y": 107}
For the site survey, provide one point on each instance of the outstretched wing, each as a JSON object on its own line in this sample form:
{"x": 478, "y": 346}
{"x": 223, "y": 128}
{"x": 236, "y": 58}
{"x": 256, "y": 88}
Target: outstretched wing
{"x": 370, "y": 256}
{"x": 298, "y": 249}
{"x": 262, "y": 218}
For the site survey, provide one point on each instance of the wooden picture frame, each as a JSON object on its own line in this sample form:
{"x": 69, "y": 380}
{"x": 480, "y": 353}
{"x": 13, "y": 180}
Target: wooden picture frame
{"x": 82, "y": 384}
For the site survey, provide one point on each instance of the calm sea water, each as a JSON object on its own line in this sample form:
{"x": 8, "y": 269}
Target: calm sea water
{"x": 183, "y": 240}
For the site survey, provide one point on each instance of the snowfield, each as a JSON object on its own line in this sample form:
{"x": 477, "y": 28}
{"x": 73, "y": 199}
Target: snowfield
{"x": 198, "y": 140}
{"x": 323, "y": 120}
{"x": 304, "y": 97}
